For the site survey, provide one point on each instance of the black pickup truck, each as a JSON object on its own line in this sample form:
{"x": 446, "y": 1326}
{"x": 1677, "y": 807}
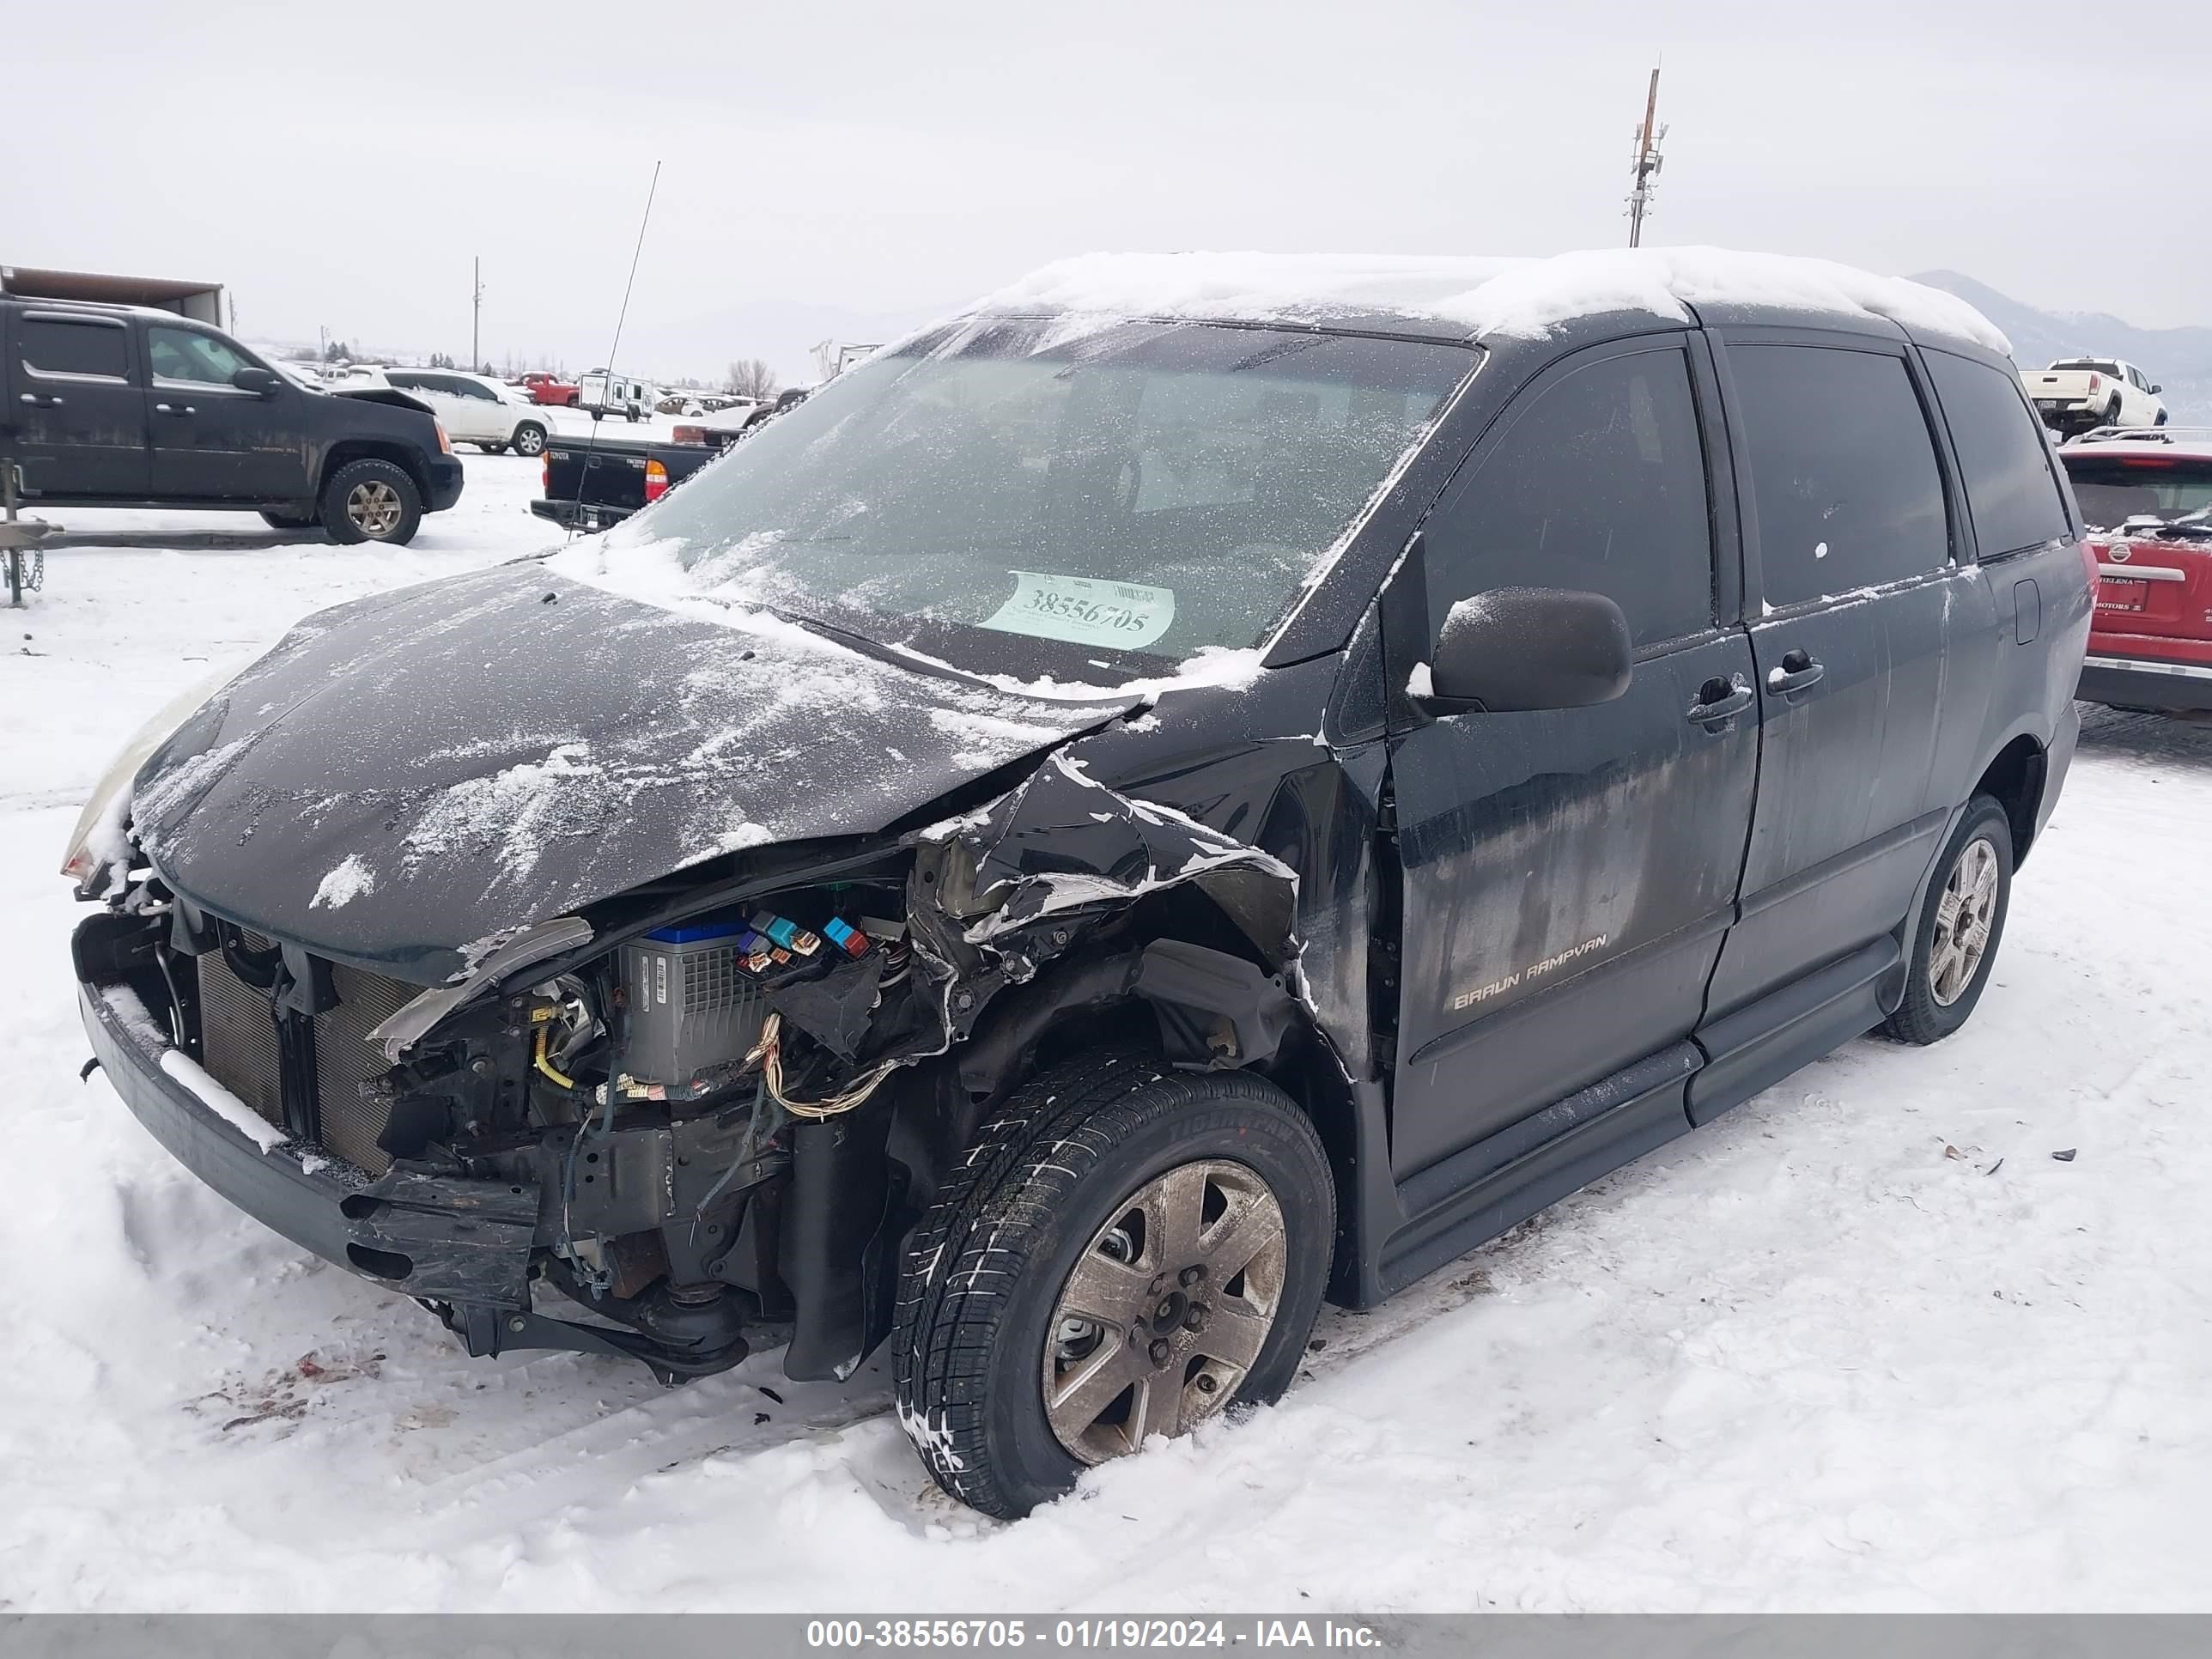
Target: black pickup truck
{"x": 120, "y": 406}
{"x": 594, "y": 482}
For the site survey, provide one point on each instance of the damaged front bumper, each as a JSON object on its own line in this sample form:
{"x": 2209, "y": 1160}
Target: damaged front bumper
{"x": 431, "y": 1237}
{"x": 462, "y": 1248}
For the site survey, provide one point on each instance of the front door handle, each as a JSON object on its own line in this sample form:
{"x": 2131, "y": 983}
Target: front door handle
{"x": 1796, "y": 672}
{"x": 37, "y": 402}
{"x": 1719, "y": 702}
{"x": 164, "y": 409}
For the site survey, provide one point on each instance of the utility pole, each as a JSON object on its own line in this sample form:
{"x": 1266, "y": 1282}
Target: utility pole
{"x": 1645, "y": 169}
{"x": 476, "y": 316}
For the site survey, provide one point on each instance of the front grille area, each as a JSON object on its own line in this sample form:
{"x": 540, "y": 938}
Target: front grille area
{"x": 237, "y": 1035}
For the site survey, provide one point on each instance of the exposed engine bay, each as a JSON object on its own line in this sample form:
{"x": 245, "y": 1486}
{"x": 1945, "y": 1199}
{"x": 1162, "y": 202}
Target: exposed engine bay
{"x": 700, "y": 1110}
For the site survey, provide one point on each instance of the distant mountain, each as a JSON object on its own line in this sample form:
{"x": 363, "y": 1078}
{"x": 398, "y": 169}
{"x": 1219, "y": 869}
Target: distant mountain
{"x": 2178, "y": 359}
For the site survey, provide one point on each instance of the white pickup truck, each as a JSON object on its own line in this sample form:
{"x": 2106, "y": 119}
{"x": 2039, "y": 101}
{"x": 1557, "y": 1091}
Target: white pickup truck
{"x": 2076, "y": 394}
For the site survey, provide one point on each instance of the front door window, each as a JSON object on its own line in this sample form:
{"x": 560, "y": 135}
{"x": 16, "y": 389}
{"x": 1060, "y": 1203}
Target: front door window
{"x": 185, "y": 354}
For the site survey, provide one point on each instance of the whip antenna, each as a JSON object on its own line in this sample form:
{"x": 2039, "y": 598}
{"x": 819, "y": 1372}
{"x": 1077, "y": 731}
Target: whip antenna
{"x": 622, "y": 317}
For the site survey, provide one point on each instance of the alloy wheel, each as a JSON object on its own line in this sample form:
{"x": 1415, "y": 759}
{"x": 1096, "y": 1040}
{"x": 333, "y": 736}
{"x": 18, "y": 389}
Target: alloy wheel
{"x": 1964, "y": 917}
{"x": 374, "y": 506}
{"x": 1166, "y": 1309}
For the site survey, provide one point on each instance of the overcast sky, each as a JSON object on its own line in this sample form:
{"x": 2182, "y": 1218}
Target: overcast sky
{"x": 834, "y": 168}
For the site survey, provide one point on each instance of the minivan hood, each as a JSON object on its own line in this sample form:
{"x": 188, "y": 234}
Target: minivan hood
{"x": 406, "y": 777}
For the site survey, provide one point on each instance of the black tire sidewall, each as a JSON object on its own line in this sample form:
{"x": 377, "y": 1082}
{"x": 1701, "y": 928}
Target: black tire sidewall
{"x": 333, "y": 507}
{"x": 1919, "y": 1017}
{"x": 522, "y": 437}
{"x": 1033, "y": 1467}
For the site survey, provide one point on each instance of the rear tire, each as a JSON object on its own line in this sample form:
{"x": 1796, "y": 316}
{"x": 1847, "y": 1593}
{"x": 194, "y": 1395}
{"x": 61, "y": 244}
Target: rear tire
{"x": 1960, "y": 928}
{"x": 1198, "y": 1206}
{"x": 493, "y": 449}
{"x": 371, "y": 501}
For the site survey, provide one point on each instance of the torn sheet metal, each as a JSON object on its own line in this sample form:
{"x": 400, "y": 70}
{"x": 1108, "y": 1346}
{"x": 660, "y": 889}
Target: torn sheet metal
{"x": 1063, "y": 841}
{"x": 998, "y": 891}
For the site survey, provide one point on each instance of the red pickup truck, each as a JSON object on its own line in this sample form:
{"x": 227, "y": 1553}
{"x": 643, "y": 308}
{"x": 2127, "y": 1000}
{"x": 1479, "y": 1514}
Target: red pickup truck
{"x": 2147, "y": 497}
{"x": 550, "y": 389}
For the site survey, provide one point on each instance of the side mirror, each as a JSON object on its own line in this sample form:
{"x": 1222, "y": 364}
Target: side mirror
{"x": 2157, "y": 389}
{"x": 262, "y": 382}
{"x": 1520, "y": 649}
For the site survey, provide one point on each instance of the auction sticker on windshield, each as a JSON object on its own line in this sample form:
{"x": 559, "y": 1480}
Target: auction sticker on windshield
{"x": 1085, "y": 611}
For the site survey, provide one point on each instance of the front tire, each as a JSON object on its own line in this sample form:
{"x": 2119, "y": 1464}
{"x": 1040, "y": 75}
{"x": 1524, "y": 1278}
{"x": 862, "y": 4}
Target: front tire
{"x": 371, "y": 501}
{"x": 1126, "y": 1250}
{"x": 530, "y": 439}
{"x": 1960, "y": 928}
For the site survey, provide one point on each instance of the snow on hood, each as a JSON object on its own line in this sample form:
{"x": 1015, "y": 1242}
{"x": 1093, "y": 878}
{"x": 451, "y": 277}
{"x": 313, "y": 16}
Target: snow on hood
{"x": 404, "y": 774}
{"x": 1522, "y": 298}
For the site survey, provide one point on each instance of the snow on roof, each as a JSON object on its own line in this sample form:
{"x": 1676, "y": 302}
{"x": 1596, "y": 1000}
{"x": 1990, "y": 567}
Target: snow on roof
{"x": 1516, "y": 297}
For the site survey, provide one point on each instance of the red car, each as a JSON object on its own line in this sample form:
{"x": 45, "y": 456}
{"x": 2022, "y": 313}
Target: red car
{"x": 2147, "y": 497}
{"x": 550, "y": 389}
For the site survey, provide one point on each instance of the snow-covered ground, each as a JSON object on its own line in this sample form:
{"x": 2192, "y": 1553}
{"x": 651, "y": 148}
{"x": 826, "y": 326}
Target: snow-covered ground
{"x": 1863, "y": 1343}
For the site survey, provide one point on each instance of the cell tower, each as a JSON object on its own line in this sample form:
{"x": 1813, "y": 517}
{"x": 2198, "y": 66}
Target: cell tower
{"x": 1645, "y": 169}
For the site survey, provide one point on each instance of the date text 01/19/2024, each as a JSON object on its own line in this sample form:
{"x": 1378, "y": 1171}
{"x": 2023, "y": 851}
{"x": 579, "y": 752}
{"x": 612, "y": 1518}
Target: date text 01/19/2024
{"x": 1089, "y": 1633}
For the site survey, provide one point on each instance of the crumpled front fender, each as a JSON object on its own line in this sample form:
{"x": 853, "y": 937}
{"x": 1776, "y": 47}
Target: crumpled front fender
{"x": 996, "y": 893}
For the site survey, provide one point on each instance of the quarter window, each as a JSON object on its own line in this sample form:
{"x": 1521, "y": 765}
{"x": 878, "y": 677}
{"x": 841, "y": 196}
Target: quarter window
{"x": 183, "y": 354}
{"x": 2003, "y": 461}
{"x": 65, "y": 345}
{"x": 1843, "y": 471}
{"x": 1598, "y": 484}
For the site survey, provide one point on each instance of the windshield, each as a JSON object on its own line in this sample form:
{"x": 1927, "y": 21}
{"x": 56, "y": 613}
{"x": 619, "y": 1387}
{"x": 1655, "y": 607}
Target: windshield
{"x": 2113, "y": 488}
{"x": 1113, "y": 490}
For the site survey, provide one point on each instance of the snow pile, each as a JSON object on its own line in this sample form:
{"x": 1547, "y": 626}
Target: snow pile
{"x": 220, "y": 1101}
{"x": 1524, "y": 298}
{"x": 346, "y": 881}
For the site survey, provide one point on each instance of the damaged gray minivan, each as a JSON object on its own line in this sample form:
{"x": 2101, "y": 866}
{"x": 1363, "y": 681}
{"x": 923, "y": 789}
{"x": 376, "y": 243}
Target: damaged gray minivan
{"x": 1128, "y": 813}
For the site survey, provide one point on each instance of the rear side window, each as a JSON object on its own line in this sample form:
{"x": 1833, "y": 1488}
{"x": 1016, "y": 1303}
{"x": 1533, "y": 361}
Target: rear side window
{"x": 1843, "y": 471}
{"x": 1598, "y": 484}
{"x": 57, "y": 345}
{"x": 2002, "y": 460}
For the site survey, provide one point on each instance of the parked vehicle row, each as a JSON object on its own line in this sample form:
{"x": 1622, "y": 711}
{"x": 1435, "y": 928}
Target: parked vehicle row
{"x": 1625, "y": 711}
{"x": 120, "y": 406}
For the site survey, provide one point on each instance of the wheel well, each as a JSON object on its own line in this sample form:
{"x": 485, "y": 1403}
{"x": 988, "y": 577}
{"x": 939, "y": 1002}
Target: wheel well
{"x": 1087, "y": 1002}
{"x": 2015, "y": 780}
{"x": 369, "y": 449}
